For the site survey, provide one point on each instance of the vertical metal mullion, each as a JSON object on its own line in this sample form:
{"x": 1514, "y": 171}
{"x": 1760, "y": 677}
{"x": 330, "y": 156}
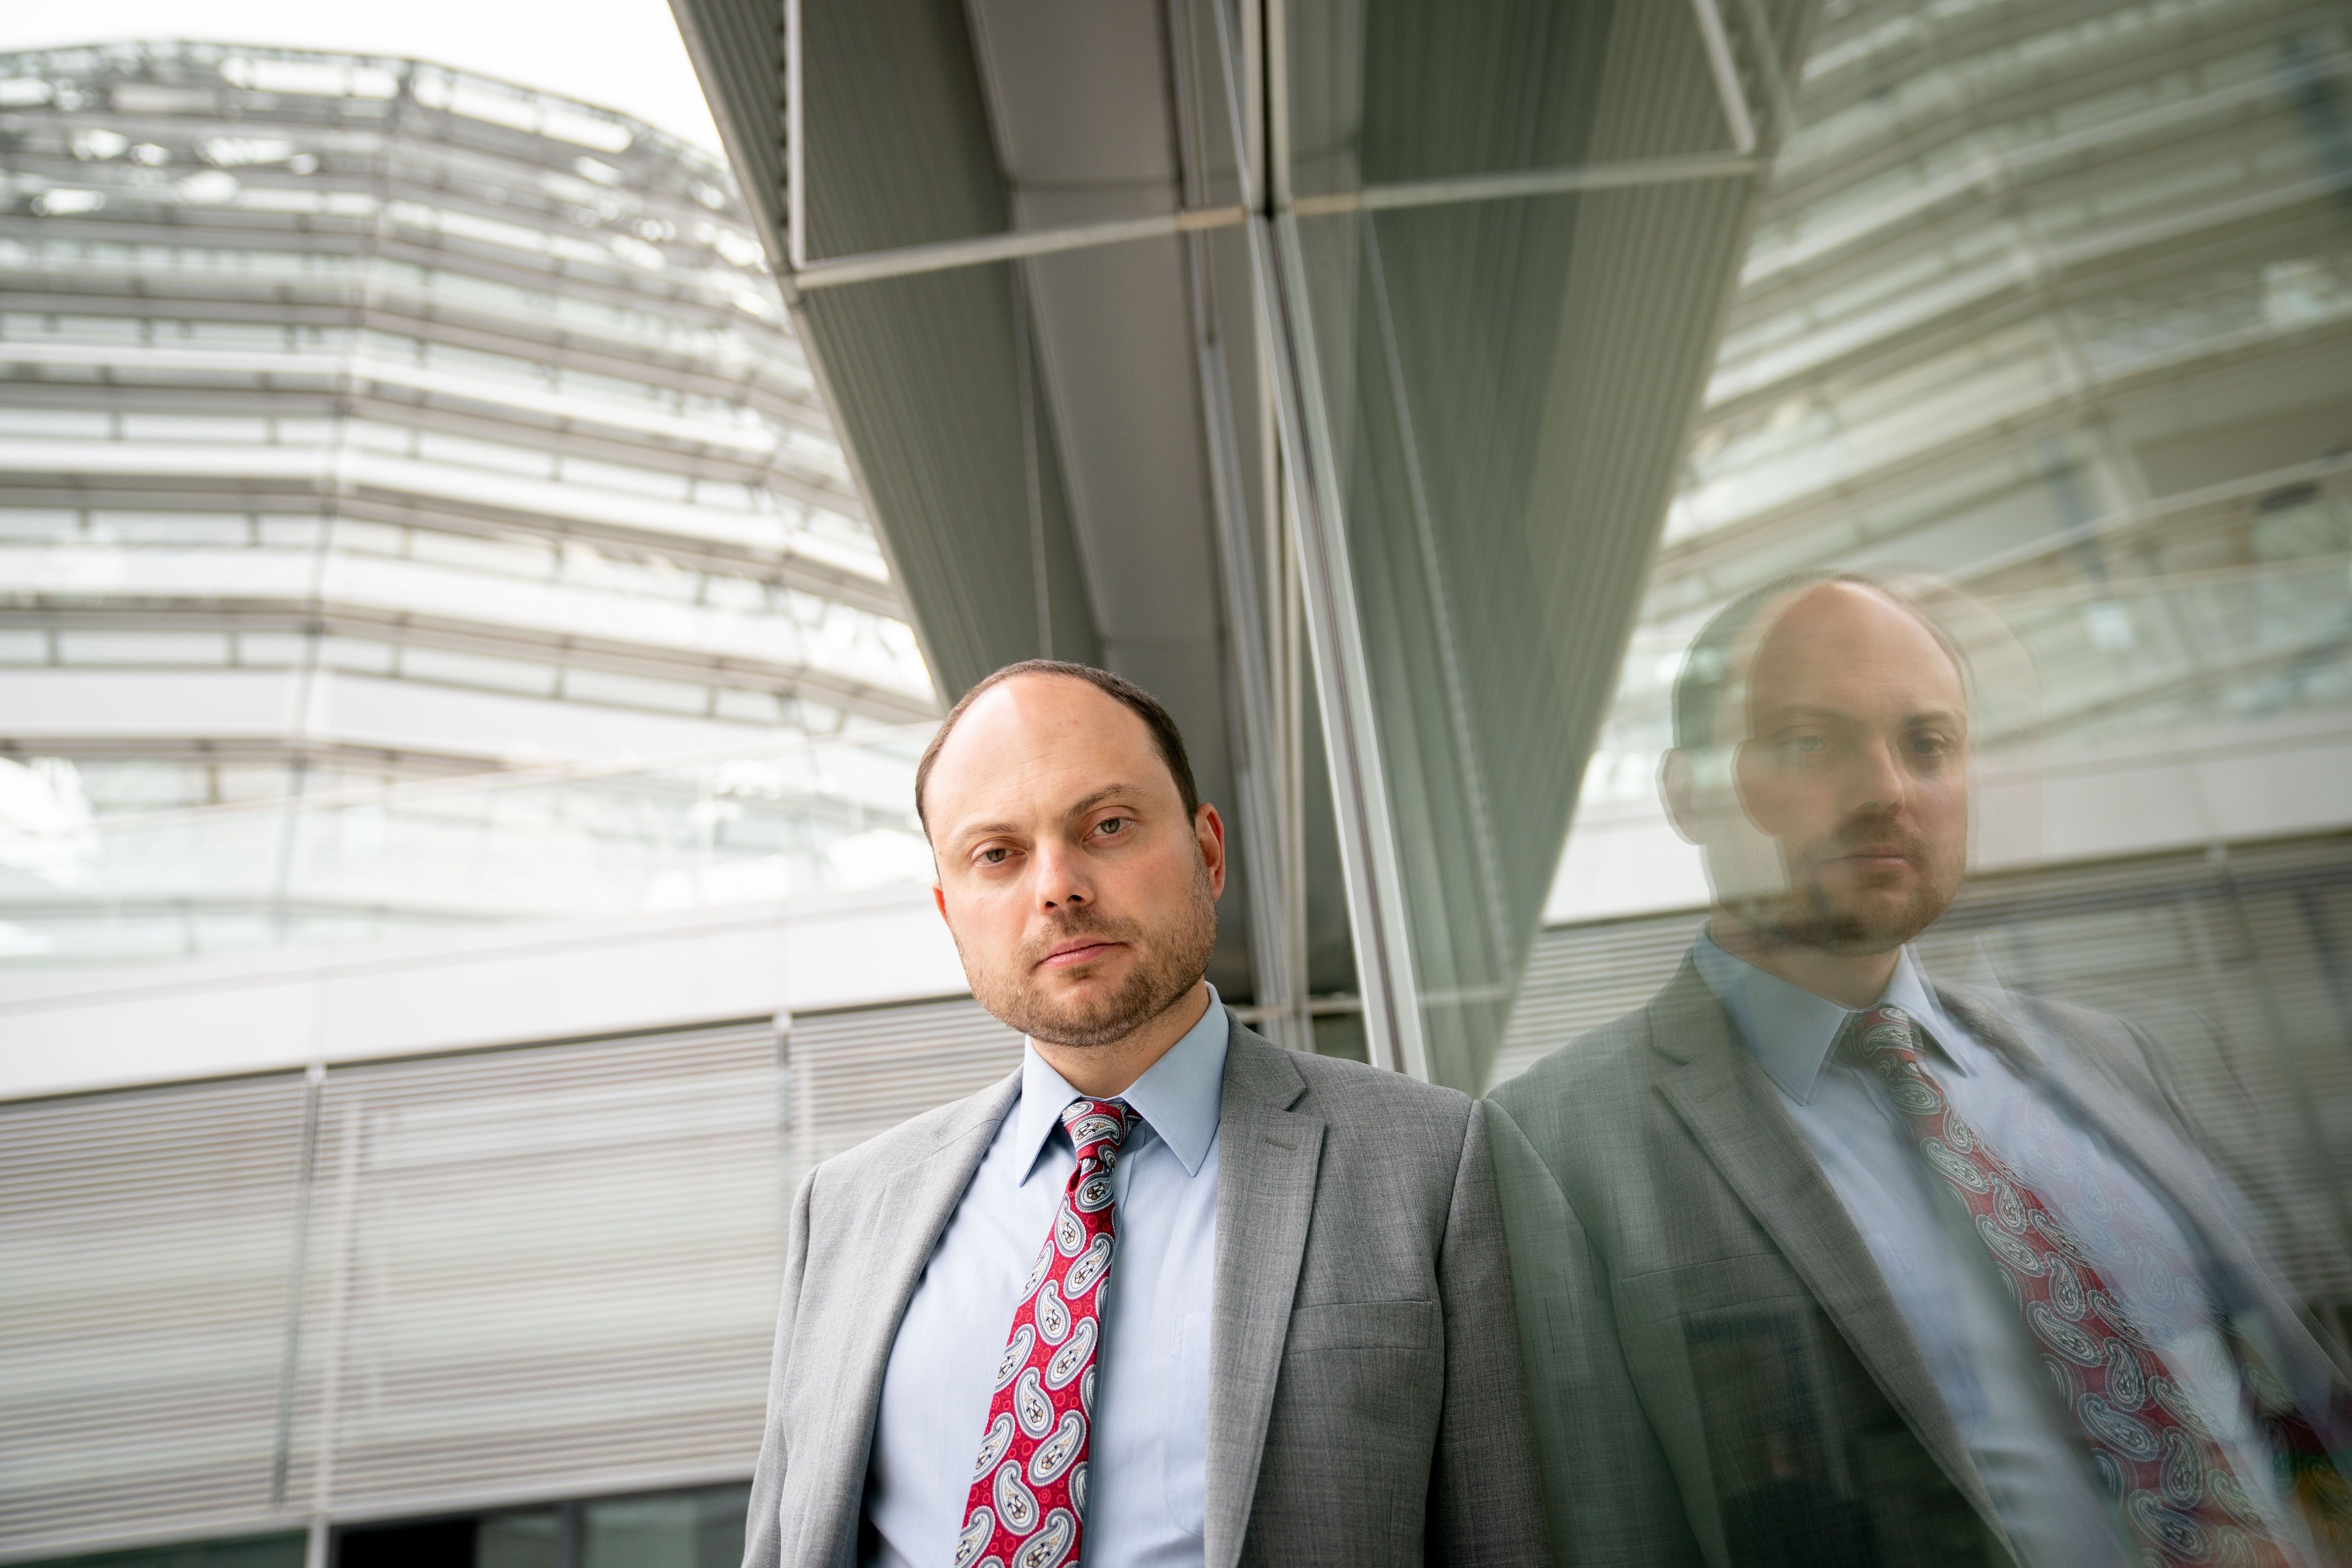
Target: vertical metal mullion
{"x": 1369, "y": 861}
{"x": 567, "y": 1533}
{"x": 1258, "y": 753}
{"x": 795, "y": 143}
{"x": 298, "y": 1274}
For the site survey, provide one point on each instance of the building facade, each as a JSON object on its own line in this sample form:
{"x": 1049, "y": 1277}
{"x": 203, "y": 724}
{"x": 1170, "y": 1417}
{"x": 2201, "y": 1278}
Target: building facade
{"x": 417, "y": 521}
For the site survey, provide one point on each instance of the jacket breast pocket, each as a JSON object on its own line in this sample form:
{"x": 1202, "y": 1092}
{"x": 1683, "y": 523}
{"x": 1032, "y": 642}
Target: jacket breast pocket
{"x": 1366, "y": 1326}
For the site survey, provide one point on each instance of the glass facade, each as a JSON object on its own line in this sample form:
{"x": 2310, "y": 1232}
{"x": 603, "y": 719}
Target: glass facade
{"x": 363, "y": 424}
{"x": 2056, "y": 309}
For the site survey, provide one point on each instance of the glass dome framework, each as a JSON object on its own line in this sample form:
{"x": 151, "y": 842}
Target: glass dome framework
{"x": 363, "y": 422}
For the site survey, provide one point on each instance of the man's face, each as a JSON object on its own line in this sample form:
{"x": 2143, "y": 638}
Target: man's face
{"x": 1854, "y": 766}
{"x": 1082, "y": 898}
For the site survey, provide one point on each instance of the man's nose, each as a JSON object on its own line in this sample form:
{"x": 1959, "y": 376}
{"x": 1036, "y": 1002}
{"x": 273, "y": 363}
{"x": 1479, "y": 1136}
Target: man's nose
{"x": 1061, "y": 877}
{"x": 1877, "y": 779}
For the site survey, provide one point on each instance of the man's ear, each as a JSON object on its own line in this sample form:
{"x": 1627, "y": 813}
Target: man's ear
{"x": 1678, "y": 788}
{"x": 1209, "y": 829}
{"x": 940, "y": 899}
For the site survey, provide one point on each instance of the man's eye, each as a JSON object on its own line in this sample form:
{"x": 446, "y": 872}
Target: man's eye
{"x": 993, "y": 856}
{"x": 1930, "y": 745}
{"x": 1803, "y": 745}
{"x": 1109, "y": 826}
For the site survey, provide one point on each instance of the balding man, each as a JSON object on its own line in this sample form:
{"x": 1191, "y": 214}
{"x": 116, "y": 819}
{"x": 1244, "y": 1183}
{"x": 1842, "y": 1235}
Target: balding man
{"x": 1820, "y": 1262}
{"x": 1168, "y": 1295}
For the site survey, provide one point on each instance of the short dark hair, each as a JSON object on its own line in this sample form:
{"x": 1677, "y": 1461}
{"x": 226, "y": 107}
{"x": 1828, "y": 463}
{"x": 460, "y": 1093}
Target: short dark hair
{"x": 1165, "y": 736}
{"x": 1706, "y": 667}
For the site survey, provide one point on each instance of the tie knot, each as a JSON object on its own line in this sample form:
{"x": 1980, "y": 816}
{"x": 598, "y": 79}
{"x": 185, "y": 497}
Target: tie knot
{"x": 1097, "y": 1127}
{"x": 1879, "y": 1033}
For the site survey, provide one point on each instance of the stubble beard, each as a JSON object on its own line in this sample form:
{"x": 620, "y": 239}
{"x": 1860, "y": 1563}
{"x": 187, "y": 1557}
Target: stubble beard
{"x": 1169, "y": 963}
{"x": 1852, "y": 924}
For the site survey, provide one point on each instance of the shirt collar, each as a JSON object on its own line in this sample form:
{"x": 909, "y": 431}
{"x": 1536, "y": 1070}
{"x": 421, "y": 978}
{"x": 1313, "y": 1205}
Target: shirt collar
{"x": 1790, "y": 1029}
{"x": 1181, "y": 1097}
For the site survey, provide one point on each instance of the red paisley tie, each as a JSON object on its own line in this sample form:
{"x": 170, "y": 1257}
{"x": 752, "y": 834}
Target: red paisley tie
{"x": 1027, "y": 1507}
{"x": 2178, "y": 1497}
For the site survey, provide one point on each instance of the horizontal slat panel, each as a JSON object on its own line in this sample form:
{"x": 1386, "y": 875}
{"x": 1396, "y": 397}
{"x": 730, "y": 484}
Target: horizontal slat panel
{"x": 856, "y": 1073}
{"x": 524, "y": 1273}
{"x": 532, "y": 1266}
{"x": 145, "y": 1240}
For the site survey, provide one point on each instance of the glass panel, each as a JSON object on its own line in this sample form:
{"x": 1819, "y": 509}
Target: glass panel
{"x": 1492, "y": 408}
{"x": 250, "y": 1552}
{"x": 684, "y": 1529}
{"x": 762, "y": 823}
{"x": 1959, "y": 899}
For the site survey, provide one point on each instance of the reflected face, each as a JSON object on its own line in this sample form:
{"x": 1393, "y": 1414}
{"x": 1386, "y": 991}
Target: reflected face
{"x": 1855, "y": 767}
{"x": 1082, "y": 898}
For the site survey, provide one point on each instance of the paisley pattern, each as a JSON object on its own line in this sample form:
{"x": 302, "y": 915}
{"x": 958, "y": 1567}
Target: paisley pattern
{"x": 1027, "y": 1506}
{"x": 1053, "y": 1316}
{"x": 2180, "y": 1502}
{"x": 992, "y": 1446}
{"x": 1059, "y": 1452}
{"x": 1089, "y": 1269}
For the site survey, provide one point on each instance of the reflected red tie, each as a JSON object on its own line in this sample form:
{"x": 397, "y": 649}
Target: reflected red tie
{"x": 1027, "y": 1507}
{"x": 2179, "y": 1498}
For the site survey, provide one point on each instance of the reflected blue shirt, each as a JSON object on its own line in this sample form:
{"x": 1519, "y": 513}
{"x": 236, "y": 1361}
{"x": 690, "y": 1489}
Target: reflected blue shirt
{"x": 2020, "y": 1436}
{"x": 1148, "y": 1475}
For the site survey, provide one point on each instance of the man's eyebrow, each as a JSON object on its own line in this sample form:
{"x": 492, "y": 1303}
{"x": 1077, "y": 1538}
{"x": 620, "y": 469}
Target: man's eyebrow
{"x": 1108, "y": 792}
{"x": 989, "y": 829}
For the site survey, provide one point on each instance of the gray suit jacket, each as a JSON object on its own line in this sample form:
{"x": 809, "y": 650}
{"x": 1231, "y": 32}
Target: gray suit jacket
{"x": 1717, "y": 1371}
{"x": 1365, "y": 1402}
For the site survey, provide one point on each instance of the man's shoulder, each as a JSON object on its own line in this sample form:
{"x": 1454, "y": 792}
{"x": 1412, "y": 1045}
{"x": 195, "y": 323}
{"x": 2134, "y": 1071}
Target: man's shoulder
{"x": 1340, "y": 1083}
{"x": 1404, "y": 1114}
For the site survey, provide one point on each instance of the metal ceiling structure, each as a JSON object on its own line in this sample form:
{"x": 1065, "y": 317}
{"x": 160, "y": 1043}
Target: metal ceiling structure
{"x": 1321, "y": 364}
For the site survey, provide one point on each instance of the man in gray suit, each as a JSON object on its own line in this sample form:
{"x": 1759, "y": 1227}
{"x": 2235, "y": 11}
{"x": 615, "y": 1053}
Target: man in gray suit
{"x": 1819, "y": 1262}
{"x": 1168, "y": 1294}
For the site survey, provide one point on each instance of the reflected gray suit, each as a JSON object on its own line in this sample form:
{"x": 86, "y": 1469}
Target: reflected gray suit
{"x": 1689, "y": 1285}
{"x": 1365, "y": 1402}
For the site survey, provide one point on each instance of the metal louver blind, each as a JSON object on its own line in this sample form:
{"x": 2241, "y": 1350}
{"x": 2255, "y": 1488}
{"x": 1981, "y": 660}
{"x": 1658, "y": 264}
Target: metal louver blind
{"x": 524, "y": 1273}
{"x": 145, "y": 1240}
{"x": 541, "y": 1270}
{"x": 855, "y": 1074}
{"x": 1580, "y": 977}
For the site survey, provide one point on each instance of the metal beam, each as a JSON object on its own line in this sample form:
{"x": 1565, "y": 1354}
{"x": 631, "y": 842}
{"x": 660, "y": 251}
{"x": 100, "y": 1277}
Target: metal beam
{"x": 1532, "y": 182}
{"x": 915, "y": 259}
{"x": 1719, "y": 61}
{"x": 1369, "y": 862}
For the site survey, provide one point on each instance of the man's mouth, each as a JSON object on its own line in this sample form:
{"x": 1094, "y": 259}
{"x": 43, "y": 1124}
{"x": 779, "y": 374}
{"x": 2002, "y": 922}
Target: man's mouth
{"x": 1077, "y": 950}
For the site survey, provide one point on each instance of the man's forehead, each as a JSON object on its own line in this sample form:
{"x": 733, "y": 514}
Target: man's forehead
{"x": 1858, "y": 643}
{"x": 1040, "y": 743}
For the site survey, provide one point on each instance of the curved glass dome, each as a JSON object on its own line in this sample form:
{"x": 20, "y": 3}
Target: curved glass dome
{"x": 365, "y": 423}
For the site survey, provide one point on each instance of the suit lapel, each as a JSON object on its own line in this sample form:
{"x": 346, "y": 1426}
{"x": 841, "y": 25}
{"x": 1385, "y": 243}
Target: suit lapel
{"x": 2166, "y": 1154}
{"x": 1736, "y": 1114}
{"x": 898, "y": 1227}
{"x": 1266, "y": 1164}
{"x": 2118, "y": 1115}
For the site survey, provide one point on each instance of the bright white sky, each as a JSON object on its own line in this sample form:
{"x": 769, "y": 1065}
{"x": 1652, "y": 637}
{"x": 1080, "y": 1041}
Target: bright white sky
{"x": 617, "y": 53}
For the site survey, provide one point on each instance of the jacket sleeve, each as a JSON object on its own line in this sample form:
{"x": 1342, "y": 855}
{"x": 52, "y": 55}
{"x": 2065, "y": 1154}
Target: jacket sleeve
{"x": 763, "y": 1527}
{"x": 1484, "y": 1504}
{"x": 1610, "y": 1495}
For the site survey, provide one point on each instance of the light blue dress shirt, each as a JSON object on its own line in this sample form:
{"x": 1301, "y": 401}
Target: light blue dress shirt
{"x": 2024, "y": 1442}
{"x": 1148, "y": 1475}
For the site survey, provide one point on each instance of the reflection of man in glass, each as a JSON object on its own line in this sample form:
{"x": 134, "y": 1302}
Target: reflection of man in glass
{"x": 1819, "y": 1261}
